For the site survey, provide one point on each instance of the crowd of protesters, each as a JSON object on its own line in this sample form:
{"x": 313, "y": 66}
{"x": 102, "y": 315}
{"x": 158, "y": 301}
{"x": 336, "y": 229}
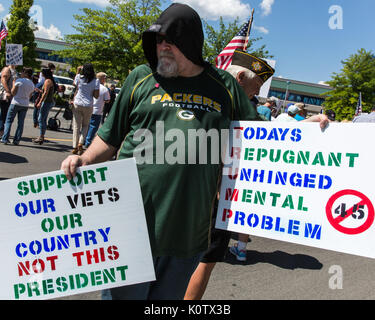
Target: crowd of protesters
{"x": 89, "y": 104}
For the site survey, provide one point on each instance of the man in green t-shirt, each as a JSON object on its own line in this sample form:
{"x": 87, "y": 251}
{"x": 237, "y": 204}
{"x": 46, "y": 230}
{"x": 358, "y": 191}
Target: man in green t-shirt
{"x": 250, "y": 72}
{"x": 170, "y": 115}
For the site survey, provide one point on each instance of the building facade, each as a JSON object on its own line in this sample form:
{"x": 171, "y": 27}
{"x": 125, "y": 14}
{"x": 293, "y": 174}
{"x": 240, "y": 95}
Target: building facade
{"x": 45, "y": 49}
{"x": 311, "y": 94}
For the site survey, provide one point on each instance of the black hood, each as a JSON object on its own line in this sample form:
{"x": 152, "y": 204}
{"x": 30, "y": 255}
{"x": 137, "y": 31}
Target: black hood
{"x": 183, "y": 26}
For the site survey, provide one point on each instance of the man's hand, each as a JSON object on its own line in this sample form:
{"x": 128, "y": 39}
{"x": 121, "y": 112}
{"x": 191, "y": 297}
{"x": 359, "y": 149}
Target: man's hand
{"x": 323, "y": 121}
{"x": 70, "y": 165}
{"x": 321, "y": 118}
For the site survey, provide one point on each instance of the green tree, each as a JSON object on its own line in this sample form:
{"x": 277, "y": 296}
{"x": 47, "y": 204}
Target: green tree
{"x": 111, "y": 39}
{"x": 20, "y": 32}
{"x": 216, "y": 40}
{"x": 357, "y": 75}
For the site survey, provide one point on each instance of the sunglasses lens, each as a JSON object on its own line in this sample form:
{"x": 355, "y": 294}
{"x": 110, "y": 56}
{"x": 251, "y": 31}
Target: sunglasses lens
{"x": 160, "y": 38}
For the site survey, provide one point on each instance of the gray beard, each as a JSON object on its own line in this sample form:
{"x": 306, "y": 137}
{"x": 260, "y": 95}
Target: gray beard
{"x": 167, "y": 69}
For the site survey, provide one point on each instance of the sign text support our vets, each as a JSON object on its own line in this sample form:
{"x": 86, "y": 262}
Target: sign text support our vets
{"x": 297, "y": 183}
{"x": 61, "y": 237}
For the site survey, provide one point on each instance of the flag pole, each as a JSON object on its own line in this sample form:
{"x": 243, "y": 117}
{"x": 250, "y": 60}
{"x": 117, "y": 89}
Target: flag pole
{"x": 358, "y": 110}
{"x": 248, "y": 30}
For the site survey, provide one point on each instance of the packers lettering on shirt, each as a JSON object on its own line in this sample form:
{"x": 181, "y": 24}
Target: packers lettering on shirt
{"x": 186, "y": 100}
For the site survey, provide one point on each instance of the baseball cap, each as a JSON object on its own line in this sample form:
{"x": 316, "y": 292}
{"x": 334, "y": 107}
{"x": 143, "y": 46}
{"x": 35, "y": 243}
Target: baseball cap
{"x": 331, "y": 115}
{"x": 293, "y": 109}
{"x": 259, "y": 66}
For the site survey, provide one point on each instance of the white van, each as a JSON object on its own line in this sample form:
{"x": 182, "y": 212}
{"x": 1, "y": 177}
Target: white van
{"x": 67, "y": 82}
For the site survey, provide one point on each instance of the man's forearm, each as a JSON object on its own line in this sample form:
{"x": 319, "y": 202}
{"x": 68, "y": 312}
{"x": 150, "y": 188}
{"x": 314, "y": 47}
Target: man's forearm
{"x": 4, "y": 82}
{"x": 99, "y": 151}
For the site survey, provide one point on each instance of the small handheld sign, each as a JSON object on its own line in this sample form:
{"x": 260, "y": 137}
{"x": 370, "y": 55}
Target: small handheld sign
{"x": 61, "y": 237}
{"x": 14, "y": 54}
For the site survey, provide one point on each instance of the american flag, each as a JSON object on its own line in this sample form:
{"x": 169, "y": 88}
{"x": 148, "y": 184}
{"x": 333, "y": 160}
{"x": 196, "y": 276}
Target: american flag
{"x": 3, "y": 32}
{"x": 358, "y": 110}
{"x": 224, "y": 59}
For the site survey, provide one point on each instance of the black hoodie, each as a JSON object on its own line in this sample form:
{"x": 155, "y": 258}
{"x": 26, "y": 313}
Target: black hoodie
{"x": 183, "y": 26}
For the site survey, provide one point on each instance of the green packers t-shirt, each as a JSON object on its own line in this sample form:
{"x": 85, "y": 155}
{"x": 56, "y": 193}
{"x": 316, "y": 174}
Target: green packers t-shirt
{"x": 173, "y": 127}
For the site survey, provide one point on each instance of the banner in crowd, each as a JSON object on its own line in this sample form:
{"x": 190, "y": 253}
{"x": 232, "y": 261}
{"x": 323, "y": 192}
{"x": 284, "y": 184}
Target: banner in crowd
{"x": 296, "y": 183}
{"x": 14, "y": 54}
{"x": 61, "y": 237}
{"x": 264, "y": 90}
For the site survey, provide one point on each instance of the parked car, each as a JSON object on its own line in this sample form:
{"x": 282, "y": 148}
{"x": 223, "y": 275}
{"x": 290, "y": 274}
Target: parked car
{"x": 117, "y": 90}
{"x": 67, "y": 82}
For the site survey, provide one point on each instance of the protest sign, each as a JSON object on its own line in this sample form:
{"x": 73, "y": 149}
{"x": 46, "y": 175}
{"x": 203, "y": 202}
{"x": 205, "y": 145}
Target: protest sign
{"x": 265, "y": 88}
{"x": 61, "y": 237}
{"x": 297, "y": 183}
{"x": 14, "y": 54}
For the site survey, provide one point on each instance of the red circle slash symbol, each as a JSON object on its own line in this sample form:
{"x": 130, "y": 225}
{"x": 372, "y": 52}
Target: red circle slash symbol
{"x": 356, "y": 212}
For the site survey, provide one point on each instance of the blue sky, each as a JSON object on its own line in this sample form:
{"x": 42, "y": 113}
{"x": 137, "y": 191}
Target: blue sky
{"x": 307, "y": 41}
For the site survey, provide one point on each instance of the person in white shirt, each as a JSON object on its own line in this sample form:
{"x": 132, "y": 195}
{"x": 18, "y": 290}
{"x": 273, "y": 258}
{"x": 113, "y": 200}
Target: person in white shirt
{"x": 78, "y": 75}
{"x": 38, "y": 92}
{"x": 97, "y": 112}
{"x": 87, "y": 90}
{"x": 289, "y": 116}
{"x": 294, "y": 109}
{"x": 41, "y": 78}
{"x": 22, "y": 90}
{"x": 366, "y": 117}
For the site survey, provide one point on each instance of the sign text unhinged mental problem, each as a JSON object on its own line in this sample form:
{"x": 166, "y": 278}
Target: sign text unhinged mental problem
{"x": 297, "y": 183}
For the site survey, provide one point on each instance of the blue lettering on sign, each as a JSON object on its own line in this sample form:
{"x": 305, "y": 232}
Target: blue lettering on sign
{"x": 239, "y": 218}
{"x": 277, "y": 134}
{"x": 295, "y": 179}
{"x": 252, "y": 220}
{"x": 34, "y": 207}
{"x": 64, "y": 242}
{"x": 313, "y": 231}
{"x": 293, "y": 227}
{"x": 290, "y": 226}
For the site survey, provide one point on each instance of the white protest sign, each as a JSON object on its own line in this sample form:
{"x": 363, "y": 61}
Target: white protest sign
{"x": 296, "y": 183}
{"x": 14, "y": 54}
{"x": 61, "y": 238}
{"x": 265, "y": 88}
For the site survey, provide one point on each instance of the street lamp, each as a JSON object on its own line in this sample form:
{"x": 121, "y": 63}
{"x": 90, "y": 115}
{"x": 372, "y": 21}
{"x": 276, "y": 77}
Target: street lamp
{"x": 286, "y": 95}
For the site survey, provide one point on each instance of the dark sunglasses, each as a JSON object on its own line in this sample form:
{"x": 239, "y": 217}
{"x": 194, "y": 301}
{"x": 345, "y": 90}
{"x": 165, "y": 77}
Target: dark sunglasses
{"x": 160, "y": 38}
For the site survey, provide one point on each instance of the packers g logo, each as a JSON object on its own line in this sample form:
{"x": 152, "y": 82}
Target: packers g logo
{"x": 185, "y": 115}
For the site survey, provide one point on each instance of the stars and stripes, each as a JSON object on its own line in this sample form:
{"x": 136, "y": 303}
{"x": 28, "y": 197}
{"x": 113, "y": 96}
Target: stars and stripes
{"x": 3, "y": 32}
{"x": 224, "y": 59}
